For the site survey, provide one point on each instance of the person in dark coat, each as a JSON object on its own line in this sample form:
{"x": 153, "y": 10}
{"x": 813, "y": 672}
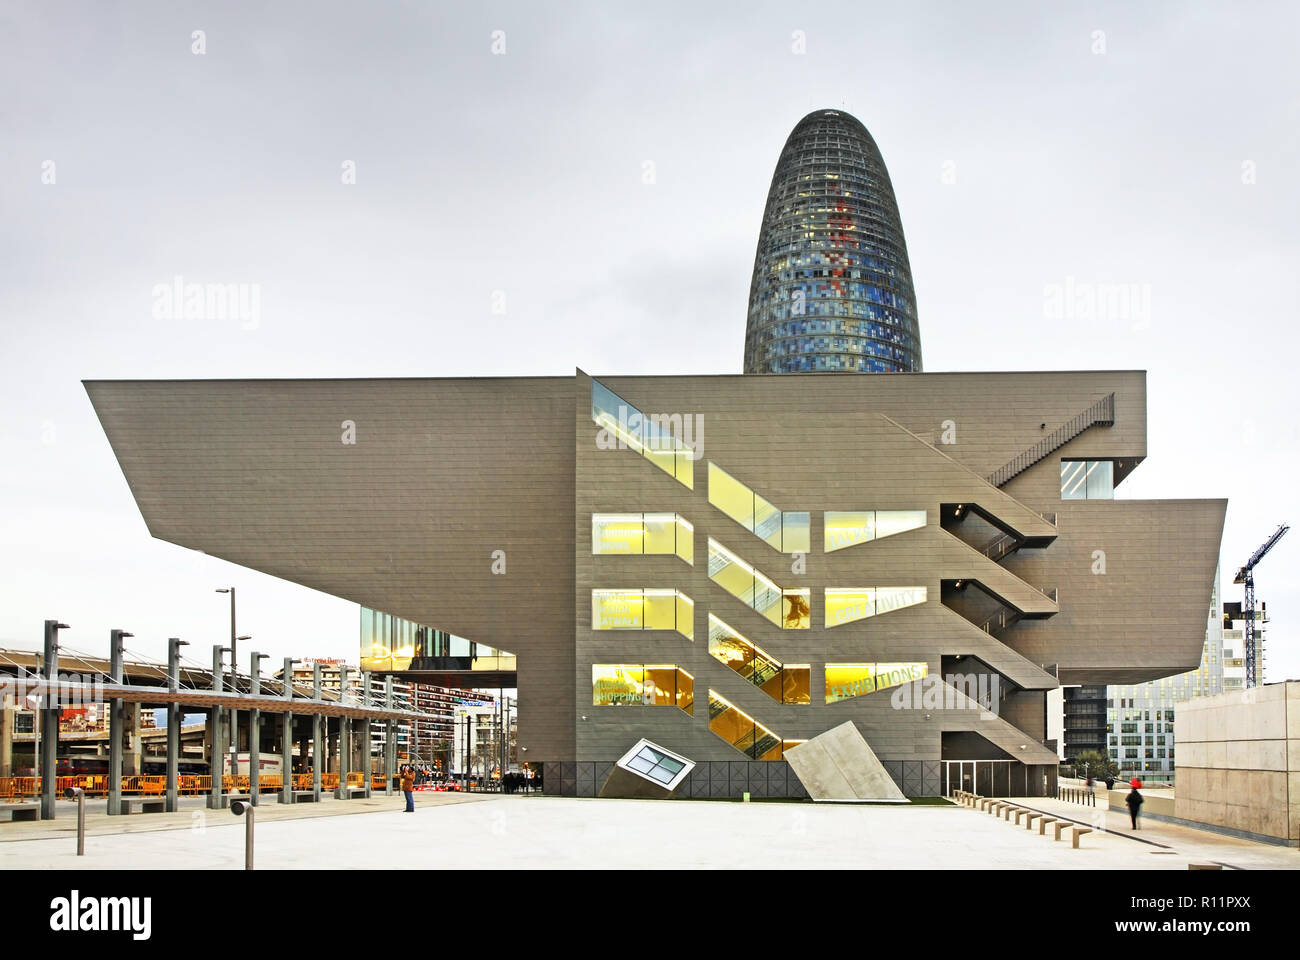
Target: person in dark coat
{"x": 408, "y": 787}
{"x": 1134, "y": 801}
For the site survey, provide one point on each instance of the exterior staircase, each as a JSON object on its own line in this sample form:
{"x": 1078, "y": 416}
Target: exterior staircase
{"x": 1100, "y": 414}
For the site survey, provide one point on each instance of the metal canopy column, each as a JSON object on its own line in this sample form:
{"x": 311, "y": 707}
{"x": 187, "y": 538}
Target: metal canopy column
{"x": 286, "y": 736}
{"x": 216, "y": 762}
{"x": 366, "y": 746}
{"x": 116, "y": 710}
{"x": 390, "y": 741}
{"x": 50, "y": 719}
{"x": 174, "y": 721}
{"x": 254, "y": 727}
{"x": 345, "y": 738}
{"x": 317, "y": 748}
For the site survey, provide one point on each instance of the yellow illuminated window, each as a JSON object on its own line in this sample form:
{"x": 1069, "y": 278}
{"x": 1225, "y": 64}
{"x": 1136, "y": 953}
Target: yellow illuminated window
{"x": 685, "y": 615}
{"x": 612, "y": 684}
{"x": 617, "y": 610}
{"x": 625, "y": 427}
{"x": 890, "y": 522}
{"x": 685, "y": 691}
{"x": 845, "y": 681}
{"x": 660, "y": 533}
{"x": 788, "y": 609}
{"x": 660, "y": 685}
{"x": 685, "y": 540}
{"x": 731, "y": 496}
{"x": 786, "y": 531}
{"x": 895, "y": 598}
{"x": 896, "y": 674}
{"x": 660, "y": 610}
{"x": 634, "y": 534}
{"x": 846, "y": 604}
{"x": 648, "y": 609}
{"x": 651, "y": 685}
{"x": 617, "y": 533}
{"x": 848, "y": 528}
{"x": 741, "y": 730}
{"x": 796, "y": 609}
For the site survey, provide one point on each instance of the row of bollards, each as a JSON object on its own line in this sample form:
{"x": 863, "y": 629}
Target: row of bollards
{"x": 1075, "y": 795}
{"x": 240, "y": 808}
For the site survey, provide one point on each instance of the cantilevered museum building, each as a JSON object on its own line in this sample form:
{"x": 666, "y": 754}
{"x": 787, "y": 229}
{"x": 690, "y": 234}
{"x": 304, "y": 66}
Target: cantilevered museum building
{"x": 725, "y": 566}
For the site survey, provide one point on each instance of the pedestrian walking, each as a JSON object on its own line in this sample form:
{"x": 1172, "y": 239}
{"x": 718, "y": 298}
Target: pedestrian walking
{"x": 408, "y": 787}
{"x": 1134, "y": 801}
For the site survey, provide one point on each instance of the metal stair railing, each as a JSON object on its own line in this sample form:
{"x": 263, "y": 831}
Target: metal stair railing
{"x": 1101, "y": 413}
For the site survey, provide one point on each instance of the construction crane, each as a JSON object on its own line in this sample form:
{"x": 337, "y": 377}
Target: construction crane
{"x": 1246, "y": 575}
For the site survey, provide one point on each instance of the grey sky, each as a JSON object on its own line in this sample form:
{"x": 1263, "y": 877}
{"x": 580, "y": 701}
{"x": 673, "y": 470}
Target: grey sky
{"x": 1022, "y": 157}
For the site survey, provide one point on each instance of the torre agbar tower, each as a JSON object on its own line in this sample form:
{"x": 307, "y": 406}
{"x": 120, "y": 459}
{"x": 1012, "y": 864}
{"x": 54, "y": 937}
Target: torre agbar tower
{"x": 832, "y": 288}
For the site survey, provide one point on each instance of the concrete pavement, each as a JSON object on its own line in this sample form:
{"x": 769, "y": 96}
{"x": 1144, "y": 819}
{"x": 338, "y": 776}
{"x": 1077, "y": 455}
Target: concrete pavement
{"x": 492, "y": 832}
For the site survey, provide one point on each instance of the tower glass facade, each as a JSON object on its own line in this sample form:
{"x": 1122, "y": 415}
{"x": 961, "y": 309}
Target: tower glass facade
{"x": 832, "y": 287}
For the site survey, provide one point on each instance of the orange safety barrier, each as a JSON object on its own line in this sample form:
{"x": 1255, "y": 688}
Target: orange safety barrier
{"x": 329, "y": 781}
{"x": 20, "y": 788}
{"x": 270, "y": 782}
{"x": 357, "y": 779}
{"x": 302, "y": 781}
{"x": 193, "y": 784}
{"x": 378, "y": 782}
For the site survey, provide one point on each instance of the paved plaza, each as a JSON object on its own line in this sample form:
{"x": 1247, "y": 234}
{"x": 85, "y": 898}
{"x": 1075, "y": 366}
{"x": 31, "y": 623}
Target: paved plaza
{"x": 460, "y": 831}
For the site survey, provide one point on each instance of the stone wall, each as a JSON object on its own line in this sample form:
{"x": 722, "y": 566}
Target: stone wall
{"x": 1238, "y": 764}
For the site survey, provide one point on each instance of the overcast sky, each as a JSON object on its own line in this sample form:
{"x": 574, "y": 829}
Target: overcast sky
{"x": 1033, "y": 148}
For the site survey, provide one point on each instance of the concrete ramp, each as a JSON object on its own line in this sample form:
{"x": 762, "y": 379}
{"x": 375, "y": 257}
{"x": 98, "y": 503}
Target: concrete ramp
{"x": 840, "y": 765}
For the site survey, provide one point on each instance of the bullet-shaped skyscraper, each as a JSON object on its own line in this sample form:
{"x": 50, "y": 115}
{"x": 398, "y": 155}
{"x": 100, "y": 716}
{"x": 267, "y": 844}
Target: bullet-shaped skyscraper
{"x": 832, "y": 287}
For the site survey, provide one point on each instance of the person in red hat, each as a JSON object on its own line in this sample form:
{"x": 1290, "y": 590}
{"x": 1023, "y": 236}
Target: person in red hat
{"x": 1134, "y": 801}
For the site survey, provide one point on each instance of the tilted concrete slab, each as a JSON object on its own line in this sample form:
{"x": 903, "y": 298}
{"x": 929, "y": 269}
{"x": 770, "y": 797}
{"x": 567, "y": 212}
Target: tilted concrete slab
{"x": 840, "y": 765}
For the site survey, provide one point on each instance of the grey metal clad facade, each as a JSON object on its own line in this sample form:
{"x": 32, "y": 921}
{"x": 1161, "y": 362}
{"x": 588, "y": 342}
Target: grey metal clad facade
{"x": 445, "y": 472}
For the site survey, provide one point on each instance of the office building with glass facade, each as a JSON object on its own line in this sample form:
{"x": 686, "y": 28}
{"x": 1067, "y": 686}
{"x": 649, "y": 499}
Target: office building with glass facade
{"x": 832, "y": 286}
{"x": 723, "y": 566}
{"x": 1140, "y": 717}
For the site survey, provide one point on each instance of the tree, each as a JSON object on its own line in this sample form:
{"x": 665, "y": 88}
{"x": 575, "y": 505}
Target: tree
{"x": 1095, "y": 764}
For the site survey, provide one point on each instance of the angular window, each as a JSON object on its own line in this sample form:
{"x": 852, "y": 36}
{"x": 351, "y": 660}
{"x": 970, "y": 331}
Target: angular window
{"x": 656, "y": 764}
{"x": 655, "y": 437}
{"x": 890, "y": 522}
{"x": 846, "y": 604}
{"x": 789, "y": 609}
{"x": 844, "y": 681}
{"x": 643, "y": 609}
{"x": 783, "y": 683}
{"x": 848, "y": 528}
{"x": 651, "y": 685}
{"x": 895, "y": 598}
{"x": 1087, "y": 480}
{"x": 786, "y": 531}
{"x": 896, "y": 674}
{"x": 731, "y": 496}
